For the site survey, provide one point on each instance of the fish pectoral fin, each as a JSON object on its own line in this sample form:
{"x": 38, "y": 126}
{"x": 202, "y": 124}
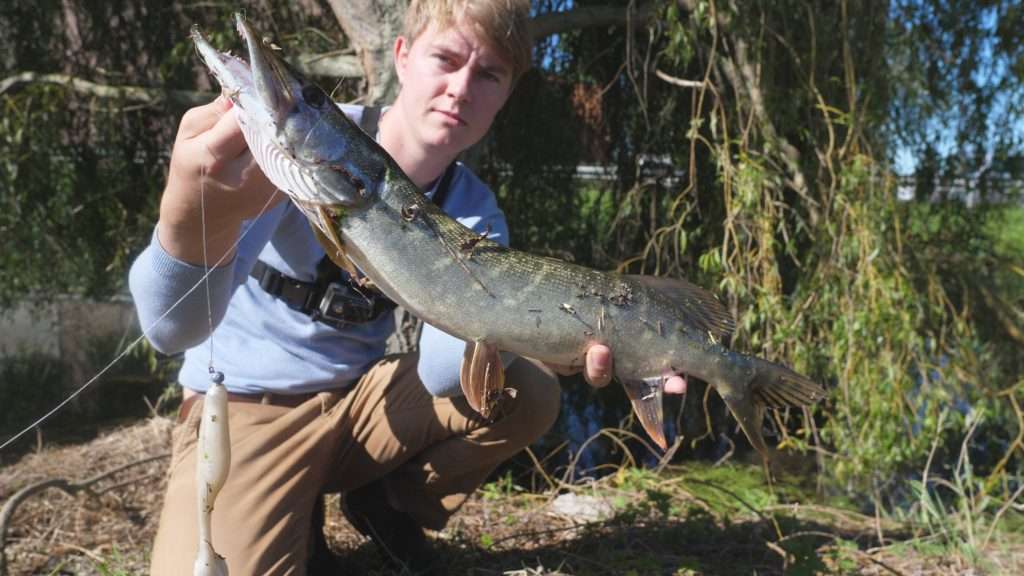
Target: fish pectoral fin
{"x": 331, "y": 242}
{"x": 646, "y": 397}
{"x": 482, "y": 377}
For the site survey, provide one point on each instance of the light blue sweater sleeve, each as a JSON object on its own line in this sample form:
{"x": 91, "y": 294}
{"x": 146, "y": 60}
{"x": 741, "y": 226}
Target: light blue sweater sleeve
{"x": 441, "y": 353}
{"x": 171, "y": 295}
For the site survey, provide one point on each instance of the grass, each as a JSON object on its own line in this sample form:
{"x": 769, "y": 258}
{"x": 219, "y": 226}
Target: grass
{"x": 1007, "y": 229}
{"x": 114, "y": 565}
{"x": 704, "y": 519}
{"x": 691, "y": 519}
{"x": 684, "y": 520}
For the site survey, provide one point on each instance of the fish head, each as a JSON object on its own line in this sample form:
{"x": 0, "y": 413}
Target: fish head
{"x": 297, "y": 134}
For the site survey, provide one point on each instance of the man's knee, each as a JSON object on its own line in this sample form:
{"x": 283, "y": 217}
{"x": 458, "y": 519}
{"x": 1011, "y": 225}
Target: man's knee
{"x": 538, "y": 397}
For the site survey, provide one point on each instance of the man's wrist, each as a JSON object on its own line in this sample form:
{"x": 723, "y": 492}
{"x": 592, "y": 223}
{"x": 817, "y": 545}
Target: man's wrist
{"x": 185, "y": 241}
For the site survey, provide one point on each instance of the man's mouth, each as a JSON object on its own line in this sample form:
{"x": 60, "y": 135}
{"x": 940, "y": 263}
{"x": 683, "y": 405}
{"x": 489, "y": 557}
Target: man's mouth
{"x": 453, "y": 116}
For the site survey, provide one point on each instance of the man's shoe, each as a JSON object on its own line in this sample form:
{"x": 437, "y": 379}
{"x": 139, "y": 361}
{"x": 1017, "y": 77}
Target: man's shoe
{"x": 400, "y": 538}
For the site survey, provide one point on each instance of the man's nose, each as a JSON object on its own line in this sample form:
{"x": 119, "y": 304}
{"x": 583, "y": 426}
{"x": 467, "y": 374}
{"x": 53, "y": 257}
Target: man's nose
{"x": 458, "y": 84}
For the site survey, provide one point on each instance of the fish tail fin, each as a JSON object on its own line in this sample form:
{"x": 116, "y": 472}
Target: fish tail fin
{"x": 772, "y": 386}
{"x": 750, "y": 414}
{"x": 779, "y": 387}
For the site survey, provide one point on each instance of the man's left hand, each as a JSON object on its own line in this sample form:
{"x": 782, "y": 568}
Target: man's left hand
{"x": 597, "y": 370}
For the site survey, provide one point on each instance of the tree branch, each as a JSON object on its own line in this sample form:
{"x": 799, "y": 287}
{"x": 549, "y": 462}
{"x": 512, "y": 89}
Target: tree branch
{"x": 557, "y": 22}
{"x": 372, "y": 30}
{"x": 141, "y": 95}
{"x": 332, "y": 65}
{"x": 372, "y": 27}
{"x": 681, "y": 82}
{"x": 740, "y": 70}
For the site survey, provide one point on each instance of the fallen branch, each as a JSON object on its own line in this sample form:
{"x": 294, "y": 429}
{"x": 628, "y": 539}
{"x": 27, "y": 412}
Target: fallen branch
{"x": 69, "y": 488}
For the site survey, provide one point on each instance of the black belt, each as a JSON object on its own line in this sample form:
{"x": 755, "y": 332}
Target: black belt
{"x": 335, "y": 303}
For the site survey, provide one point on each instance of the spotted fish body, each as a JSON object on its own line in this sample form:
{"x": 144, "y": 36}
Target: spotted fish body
{"x": 368, "y": 213}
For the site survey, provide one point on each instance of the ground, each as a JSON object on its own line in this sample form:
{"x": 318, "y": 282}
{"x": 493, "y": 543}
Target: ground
{"x": 676, "y": 521}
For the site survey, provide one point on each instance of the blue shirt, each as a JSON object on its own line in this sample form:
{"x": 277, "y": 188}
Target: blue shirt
{"x": 259, "y": 342}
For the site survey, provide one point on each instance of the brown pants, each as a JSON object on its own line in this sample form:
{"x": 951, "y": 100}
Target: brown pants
{"x": 433, "y": 453}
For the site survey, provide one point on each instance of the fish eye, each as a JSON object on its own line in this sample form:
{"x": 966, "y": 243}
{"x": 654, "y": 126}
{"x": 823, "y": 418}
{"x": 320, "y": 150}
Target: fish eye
{"x": 313, "y": 95}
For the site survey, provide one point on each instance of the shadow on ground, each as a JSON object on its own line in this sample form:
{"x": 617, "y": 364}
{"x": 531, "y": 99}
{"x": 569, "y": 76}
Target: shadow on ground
{"x": 694, "y": 543}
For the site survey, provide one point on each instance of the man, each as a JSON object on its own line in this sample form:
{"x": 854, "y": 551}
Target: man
{"x": 314, "y": 404}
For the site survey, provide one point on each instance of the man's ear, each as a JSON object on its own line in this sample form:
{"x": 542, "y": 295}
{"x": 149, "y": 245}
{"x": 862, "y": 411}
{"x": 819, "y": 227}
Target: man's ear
{"x": 401, "y": 57}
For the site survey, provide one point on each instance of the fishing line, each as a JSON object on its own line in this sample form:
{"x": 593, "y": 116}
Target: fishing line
{"x": 206, "y": 263}
{"x": 145, "y": 333}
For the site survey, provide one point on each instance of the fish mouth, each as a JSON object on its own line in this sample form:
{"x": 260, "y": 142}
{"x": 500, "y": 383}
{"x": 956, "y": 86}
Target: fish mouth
{"x": 263, "y": 85}
{"x": 300, "y": 139}
{"x": 270, "y": 75}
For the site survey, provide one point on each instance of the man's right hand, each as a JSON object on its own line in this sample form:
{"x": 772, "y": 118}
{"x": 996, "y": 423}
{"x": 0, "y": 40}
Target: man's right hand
{"x": 210, "y": 162}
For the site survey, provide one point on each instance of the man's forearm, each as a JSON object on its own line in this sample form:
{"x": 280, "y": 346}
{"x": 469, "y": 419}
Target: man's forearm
{"x": 185, "y": 241}
{"x": 172, "y": 317}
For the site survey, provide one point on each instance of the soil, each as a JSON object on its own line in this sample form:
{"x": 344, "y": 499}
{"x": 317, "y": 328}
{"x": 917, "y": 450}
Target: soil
{"x": 665, "y": 527}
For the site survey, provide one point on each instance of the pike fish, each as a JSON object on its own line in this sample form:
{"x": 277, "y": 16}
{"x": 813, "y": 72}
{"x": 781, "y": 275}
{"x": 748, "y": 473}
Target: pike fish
{"x": 369, "y": 215}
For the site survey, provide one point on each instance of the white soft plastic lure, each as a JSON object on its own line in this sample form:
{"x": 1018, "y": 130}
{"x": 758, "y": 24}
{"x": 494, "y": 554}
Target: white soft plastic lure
{"x": 213, "y": 462}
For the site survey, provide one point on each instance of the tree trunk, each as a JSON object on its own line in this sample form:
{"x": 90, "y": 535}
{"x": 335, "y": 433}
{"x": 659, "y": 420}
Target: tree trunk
{"x": 372, "y": 26}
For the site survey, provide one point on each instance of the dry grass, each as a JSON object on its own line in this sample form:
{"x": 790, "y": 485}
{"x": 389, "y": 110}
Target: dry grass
{"x": 53, "y": 532}
{"x": 638, "y": 523}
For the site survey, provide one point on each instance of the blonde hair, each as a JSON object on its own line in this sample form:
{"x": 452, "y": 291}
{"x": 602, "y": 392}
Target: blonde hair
{"x": 500, "y": 24}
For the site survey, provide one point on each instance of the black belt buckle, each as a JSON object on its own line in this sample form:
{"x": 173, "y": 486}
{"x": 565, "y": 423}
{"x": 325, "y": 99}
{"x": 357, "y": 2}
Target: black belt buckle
{"x": 344, "y": 304}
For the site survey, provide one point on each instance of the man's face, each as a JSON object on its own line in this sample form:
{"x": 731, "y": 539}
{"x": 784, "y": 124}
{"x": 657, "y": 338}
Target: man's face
{"x": 452, "y": 87}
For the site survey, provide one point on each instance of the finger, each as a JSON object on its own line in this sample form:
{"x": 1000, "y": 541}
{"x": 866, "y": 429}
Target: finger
{"x": 598, "y": 372}
{"x": 224, "y": 139}
{"x": 675, "y": 385}
{"x": 201, "y": 118}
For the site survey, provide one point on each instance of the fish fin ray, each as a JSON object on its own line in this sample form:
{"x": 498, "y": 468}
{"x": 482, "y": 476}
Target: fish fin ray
{"x": 778, "y": 386}
{"x": 646, "y": 397}
{"x": 750, "y": 415}
{"x": 697, "y": 304}
{"x": 482, "y": 376}
{"x": 330, "y": 241}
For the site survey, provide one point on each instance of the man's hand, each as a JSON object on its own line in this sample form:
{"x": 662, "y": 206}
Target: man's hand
{"x": 210, "y": 164}
{"x": 597, "y": 370}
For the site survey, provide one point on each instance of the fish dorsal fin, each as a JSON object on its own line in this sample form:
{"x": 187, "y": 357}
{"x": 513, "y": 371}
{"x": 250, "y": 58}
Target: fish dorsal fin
{"x": 697, "y": 304}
